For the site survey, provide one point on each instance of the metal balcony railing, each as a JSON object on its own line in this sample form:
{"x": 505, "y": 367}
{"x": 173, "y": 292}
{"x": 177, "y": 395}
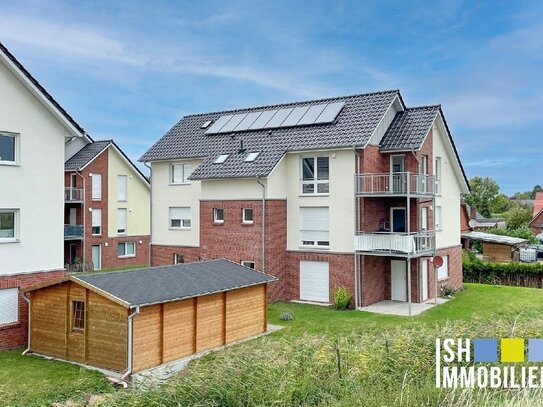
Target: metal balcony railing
{"x": 73, "y": 194}
{"x": 396, "y": 184}
{"x": 416, "y": 243}
{"x": 73, "y": 231}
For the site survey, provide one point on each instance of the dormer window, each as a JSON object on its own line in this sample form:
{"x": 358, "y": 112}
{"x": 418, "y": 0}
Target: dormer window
{"x": 251, "y": 157}
{"x": 221, "y": 159}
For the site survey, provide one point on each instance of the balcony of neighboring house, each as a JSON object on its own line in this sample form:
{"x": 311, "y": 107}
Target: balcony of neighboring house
{"x": 397, "y": 184}
{"x": 72, "y": 194}
{"x": 399, "y": 244}
{"x": 73, "y": 232}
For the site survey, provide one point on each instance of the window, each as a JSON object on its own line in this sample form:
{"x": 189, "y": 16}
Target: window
{"x": 96, "y": 187}
{"x": 248, "y": 215}
{"x": 121, "y": 187}
{"x": 314, "y": 227}
{"x": 180, "y": 218}
{"x": 9, "y": 225}
{"x": 220, "y": 159}
{"x": 9, "y": 146}
{"x": 9, "y": 306}
{"x": 96, "y": 221}
{"x": 121, "y": 221}
{"x": 218, "y": 215}
{"x": 437, "y": 174}
{"x": 180, "y": 173}
{"x": 78, "y": 315}
{"x": 251, "y": 157}
{"x": 178, "y": 258}
{"x": 126, "y": 249}
{"x": 250, "y": 264}
{"x": 423, "y": 166}
{"x": 443, "y": 271}
{"x": 315, "y": 175}
{"x": 439, "y": 225}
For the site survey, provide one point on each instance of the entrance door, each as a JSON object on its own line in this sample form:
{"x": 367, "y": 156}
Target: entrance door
{"x": 73, "y": 216}
{"x": 97, "y": 256}
{"x": 314, "y": 281}
{"x": 397, "y": 168}
{"x": 73, "y": 252}
{"x": 398, "y": 280}
{"x": 397, "y": 220}
{"x": 424, "y": 279}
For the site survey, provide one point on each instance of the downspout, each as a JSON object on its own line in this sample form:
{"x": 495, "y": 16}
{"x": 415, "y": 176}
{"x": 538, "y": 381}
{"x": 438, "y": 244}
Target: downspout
{"x": 150, "y": 209}
{"x": 357, "y": 292}
{"x": 29, "y": 319}
{"x": 263, "y": 224}
{"x": 130, "y": 345}
{"x": 84, "y": 210}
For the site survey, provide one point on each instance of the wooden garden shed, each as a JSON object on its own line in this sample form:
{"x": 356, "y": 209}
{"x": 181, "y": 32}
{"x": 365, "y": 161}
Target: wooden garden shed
{"x": 129, "y": 321}
{"x": 498, "y": 248}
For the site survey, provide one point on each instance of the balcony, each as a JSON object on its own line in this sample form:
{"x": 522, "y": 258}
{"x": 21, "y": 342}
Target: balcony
{"x": 73, "y": 194}
{"x": 396, "y": 184}
{"x": 73, "y": 232}
{"x": 414, "y": 244}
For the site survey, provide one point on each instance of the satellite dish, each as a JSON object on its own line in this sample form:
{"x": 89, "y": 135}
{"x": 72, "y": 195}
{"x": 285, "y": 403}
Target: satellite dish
{"x": 438, "y": 261}
{"x": 472, "y": 223}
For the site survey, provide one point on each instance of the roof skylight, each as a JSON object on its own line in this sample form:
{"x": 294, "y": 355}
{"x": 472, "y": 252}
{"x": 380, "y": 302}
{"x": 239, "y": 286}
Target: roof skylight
{"x": 206, "y": 124}
{"x": 251, "y": 157}
{"x": 220, "y": 159}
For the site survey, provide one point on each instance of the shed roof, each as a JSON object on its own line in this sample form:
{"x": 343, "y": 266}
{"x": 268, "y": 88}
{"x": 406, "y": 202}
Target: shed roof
{"x": 157, "y": 285}
{"x": 491, "y": 238}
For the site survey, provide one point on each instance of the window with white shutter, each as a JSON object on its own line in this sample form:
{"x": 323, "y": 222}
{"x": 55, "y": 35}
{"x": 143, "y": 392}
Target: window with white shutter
{"x": 9, "y": 305}
{"x": 121, "y": 221}
{"x": 439, "y": 216}
{"x": 180, "y": 173}
{"x": 96, "y": 221}
{"x": 314, "y": 227}
{"x": 121, "y": 187}
{"x": 96, "y": 187}
{"x": 443, "y": 271}
{"x": 180, "y": 218}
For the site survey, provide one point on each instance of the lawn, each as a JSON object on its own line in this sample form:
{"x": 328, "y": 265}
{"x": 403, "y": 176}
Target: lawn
{"x": 384, "y": 358}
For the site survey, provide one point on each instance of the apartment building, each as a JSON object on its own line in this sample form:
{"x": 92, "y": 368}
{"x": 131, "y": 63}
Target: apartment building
{"x": 33, "y": 131}
{"x": 107, "y": 208}
{"x": 357, "y": 191}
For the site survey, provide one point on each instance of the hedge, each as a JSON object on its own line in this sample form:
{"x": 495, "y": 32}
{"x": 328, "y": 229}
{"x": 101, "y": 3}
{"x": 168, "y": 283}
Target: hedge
{"x": 514, "y": 274}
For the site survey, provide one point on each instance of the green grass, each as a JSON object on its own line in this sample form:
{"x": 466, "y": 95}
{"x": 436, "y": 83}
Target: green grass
{"x": 36, "y": 381}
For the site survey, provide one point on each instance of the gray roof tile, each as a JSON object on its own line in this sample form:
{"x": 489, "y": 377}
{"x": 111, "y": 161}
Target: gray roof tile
{"x": 353, "y": 126}
{"x": 409, "y": 128}
{"x": 169, "y": 283}
{"x": 86, "y": 154}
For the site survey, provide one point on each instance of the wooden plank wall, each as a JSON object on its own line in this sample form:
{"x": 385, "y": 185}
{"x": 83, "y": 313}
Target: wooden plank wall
{"x": 497, "y": 252}
{"x": 103, "y": 343}
{"x": 170, "y": 331}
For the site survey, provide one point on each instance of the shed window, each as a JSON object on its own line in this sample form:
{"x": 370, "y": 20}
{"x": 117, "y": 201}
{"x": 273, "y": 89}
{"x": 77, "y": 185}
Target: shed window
{"x": 78, "y": 315}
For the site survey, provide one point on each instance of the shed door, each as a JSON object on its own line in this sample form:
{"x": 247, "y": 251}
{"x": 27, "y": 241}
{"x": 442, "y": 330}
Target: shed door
{"x": 314, "y": 277}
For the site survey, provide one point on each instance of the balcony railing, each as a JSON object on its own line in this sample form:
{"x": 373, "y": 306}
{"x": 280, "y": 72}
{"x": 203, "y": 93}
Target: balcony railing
{"x": 398, "y": 184}
{"x": 73, "y": 194}
{"x": 416, "y": 243}
{"x": 73, "y": 231}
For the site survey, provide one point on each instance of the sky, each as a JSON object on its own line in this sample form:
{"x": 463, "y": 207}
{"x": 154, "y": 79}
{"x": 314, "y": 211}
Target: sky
{"x": 129, "y": 70}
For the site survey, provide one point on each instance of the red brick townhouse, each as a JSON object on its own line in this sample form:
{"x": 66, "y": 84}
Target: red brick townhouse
{"x": 536, "y": 224}
{"x": 356, "y": 191}
{"x": 107, "y": 207}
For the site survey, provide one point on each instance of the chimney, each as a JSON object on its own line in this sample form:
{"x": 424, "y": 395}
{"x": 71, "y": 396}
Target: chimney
{"x": 472, "y": 212}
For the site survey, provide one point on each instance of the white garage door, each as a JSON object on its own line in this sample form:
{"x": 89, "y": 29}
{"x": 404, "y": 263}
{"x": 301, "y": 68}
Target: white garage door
{"x": 314, "y": 281}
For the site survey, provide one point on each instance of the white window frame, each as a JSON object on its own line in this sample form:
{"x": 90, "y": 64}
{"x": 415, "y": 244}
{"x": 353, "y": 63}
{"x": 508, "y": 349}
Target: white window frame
{"x": 438, "y": 218}
{"x": 122, "y": 197}
{"x": 185, "y": 223}
{"x": 122, "y": 231}
{"x": 248, "y": 263}
{"x": 9, "y": 300}
{"x": 244, "y": 216}
{"x": 438, "y": 175}
{"x": 93, "y": 225}
{"x": 15, "y": 237}
{"x": 125, "y": 244}
{"x": 309, "y": 243}
{"x": 315, "y": 181}
{"x": 216, "y": 215}
{"x": 96, "y": 187}
{"x": 443, "y": 271}
{"x": 186, "y": 170}
{"x": 17, "y": 140}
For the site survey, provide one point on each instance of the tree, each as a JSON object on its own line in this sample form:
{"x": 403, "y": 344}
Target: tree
{"x": 483, "y": 193}
{"x": 519, "y": 216}
{"x": 500, "y": 204}
{"x": 536, "y": 189}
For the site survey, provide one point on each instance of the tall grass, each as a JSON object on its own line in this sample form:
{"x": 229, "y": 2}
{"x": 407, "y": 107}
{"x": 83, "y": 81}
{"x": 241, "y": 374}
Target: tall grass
{"x": 365, "y": 368}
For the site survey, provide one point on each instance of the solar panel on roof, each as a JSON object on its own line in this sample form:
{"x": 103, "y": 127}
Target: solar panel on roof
{"x": 233, "y": 122}
{"x": 311, "y": 115}
{"x": 262, "y": 120}
{"x": 278, "y": 118}
{"x": 330, "y": 112}
{"x": 219, "y": 123}
{"x": 295, "y": 116}
{"x": 249, "y": 119}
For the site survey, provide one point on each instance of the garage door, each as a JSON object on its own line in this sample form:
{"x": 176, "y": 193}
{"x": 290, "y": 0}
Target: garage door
{"x": 314, "y": 281}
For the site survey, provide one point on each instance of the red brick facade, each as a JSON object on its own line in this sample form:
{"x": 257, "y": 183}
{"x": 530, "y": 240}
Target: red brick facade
{"x": 15, "y": 335}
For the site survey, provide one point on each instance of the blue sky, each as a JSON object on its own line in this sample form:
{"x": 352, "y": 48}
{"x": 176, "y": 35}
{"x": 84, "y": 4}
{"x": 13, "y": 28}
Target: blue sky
{"x": 130, "y": 70}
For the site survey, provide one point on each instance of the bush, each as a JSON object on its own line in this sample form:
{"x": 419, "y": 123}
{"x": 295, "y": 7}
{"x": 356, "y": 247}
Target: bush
{"x": 448, "y": 290}
{"x": 286, "y": 315}
{"x": 342, "y": 298}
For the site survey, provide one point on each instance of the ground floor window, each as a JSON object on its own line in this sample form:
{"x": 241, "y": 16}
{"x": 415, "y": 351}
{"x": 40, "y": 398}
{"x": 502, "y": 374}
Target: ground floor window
{"x": 178, "y": 258}
{"x": 9, "y": 305}
{"x": 443, "y": 271}
{"x": 247, "y": 263}
{"x": 127, "y": 249}
{"x": 8, "y": 224}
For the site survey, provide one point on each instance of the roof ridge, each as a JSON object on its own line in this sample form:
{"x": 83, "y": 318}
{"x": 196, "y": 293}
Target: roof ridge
{"x": 294, "y": 103}
{"x": 423, "y": 107}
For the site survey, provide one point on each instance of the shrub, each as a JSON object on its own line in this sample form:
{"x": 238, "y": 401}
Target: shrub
{"x": 342, "y": 298}
{"x": 448, "y": 290}
{"x": 286, "y": 315}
